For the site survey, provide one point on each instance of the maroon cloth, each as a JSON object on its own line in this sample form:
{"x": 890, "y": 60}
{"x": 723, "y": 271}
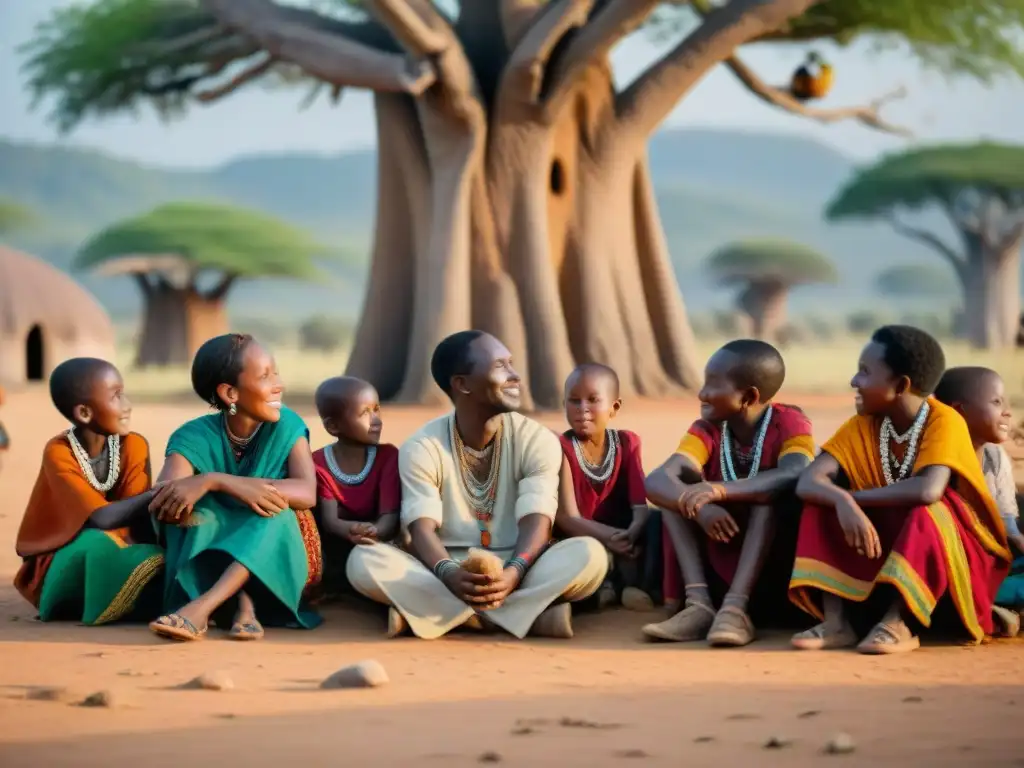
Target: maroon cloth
{"x": 378, "y": 494}
{"x": 612, "y": 501}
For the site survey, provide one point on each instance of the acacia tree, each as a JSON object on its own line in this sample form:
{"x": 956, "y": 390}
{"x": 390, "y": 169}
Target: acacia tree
{"x": 766, "y": 271}
{"x": 513, "y": 188}
{"x": 185, "y": 257}
{"x": 980, "y": 188}
{"x": 916, "y": 281}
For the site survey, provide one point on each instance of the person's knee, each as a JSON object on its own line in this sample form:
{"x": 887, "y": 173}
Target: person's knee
{"x": 584, "y": 552}
{"x": 357, "y": 568}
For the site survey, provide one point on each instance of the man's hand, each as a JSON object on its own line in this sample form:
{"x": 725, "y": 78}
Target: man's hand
{"x": 696, "y": 496}
{"x": 717, "y": 523}
{"x": 860, "y": 533}
{"x": 468, "y": 587}
{"x": 497, "y": 591}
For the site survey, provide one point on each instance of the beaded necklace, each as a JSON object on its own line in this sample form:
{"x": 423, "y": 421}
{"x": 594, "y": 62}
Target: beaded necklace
{"x": 598, "y": 473}
{"x": 481, "y": 492}
{"x": 239, "y": 444}
{"x": 113, "y": 450}
{"x": 347, "y": 479}
{"x": 725, "y": 455}
{"x": 887, "y": 433}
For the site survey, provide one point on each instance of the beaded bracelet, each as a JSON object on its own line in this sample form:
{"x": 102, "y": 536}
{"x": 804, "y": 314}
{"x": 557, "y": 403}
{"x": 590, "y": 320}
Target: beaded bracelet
{"x": 521, "y": 564}
{"x": 443, "y": 567}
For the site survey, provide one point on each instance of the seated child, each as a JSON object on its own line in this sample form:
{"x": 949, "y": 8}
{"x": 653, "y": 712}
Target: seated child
{"x": 86, "y": 537}
{"x": 979, "y": 396}
{"x": 896, "y": 500}
{"x": 358, "y": 490}
{"x": 602, "y": 468}
{"x": 723, "y": 481}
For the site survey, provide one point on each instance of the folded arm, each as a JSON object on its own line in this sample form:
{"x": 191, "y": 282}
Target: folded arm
{"x": 568, "y": 518}
{"x": 121, "y": 513}
{"x": 666, "y": 484}
{"x": 925, "y": 487}
{"x": 817, "y": 484}
{"x": 766, "y": 485}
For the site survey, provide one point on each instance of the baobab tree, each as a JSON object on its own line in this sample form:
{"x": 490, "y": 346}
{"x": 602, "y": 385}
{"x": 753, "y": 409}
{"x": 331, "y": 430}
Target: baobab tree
{"x": 185, "y": 257}
{"x": 980, "y": 188}
{"x": 766, "y": 271}
{"x": 513, "y": 189}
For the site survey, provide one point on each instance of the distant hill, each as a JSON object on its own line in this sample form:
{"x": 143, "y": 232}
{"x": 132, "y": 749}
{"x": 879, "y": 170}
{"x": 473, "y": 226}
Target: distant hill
{"x": 712, "y": 186}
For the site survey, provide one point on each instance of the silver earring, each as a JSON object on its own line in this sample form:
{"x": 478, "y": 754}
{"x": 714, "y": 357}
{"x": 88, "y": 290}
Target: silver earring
{"x": 232, "y": 410}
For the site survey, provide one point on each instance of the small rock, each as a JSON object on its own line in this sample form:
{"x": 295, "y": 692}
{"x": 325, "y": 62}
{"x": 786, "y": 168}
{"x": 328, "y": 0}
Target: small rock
{"x": 130, "y": 673}
{"x": 104, "y": 699}
{"x": 631, "y": 753}
{"x": 489, "y": 757}
{"x": 809, "y": 713}
{"x": 217, "y": 680}
{"x": 840, "y": 744}
{"x": 363, "y": 674}
{"x": 522, "y": 730}
{"x": 777, "y": 742}
{"x": 703, "y": 739}
{"x": 50, "y": 693}
{"x": 912, "y": 700}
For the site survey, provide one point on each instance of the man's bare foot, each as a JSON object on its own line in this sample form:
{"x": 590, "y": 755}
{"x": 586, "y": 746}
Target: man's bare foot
{"x": 824, "y": 638}
{"x": 556, "y": 621}
{"x": 888, "y": 637}
{"x": 635, "y": 599}
{"x": 732, "y": 628}
{"x": 689, "y": 625}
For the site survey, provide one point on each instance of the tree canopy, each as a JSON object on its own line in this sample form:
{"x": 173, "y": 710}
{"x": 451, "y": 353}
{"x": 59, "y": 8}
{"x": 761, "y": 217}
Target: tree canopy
{"x": 111, "y": 55}
{"x": 916, "y": 281}
{"x": 767, "y": 260}
{"x": 207, "y": 236}
{"x": 935, "y": 174}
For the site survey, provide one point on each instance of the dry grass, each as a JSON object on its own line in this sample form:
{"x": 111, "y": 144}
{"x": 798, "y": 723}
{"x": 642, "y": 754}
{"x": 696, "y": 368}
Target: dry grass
{"x": 816, "y": 368}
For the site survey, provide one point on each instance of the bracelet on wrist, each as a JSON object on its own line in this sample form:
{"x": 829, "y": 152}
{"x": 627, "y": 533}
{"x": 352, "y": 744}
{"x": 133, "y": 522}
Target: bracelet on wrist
{"x": 444, "y": 567}
{"x": 521, "y": 564}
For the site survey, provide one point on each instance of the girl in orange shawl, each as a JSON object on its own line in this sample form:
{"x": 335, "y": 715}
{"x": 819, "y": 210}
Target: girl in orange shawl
{"x": 896, "y": 500}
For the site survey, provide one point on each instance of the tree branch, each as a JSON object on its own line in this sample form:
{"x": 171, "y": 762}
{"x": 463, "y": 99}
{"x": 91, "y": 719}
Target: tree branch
{"x": 933, "y": 242}
{"x": 612, "y": 21}
{"x": 524, "y": 74}
{"x": 246, "y": 76}
{"x": 653, "y": 95}
{"x": 298, "y": 36}
{"x": 867, "y": 114}
{"x": 410, "y": 28}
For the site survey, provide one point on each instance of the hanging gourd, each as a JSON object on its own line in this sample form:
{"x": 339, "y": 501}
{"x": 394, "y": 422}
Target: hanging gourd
{"x": 812, "y": 79}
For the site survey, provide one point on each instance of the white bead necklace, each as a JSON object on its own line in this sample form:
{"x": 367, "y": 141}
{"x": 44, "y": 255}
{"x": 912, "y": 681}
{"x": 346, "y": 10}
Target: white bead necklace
{"x": 887, "y": 433}
{"x": 725, "y": 455}
{"x": 241, "y": 442}
{"x": 114, "y": 463}
{"x": 345, "y": 478}
{"x": 598, "y": 473}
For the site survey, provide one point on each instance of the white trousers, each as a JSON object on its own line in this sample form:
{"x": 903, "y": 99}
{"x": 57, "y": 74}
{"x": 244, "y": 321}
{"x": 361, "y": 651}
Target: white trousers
{"x": 569, "y": 570}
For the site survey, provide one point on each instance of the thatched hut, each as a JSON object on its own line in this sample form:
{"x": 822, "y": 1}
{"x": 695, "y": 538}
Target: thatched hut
{"x": 45, "y": 318}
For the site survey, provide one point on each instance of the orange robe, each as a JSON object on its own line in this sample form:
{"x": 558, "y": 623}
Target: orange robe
{"x": 956, "y": 546}
{"x": 62, "y": 501}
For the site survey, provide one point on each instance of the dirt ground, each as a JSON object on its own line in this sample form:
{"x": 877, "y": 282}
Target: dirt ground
{"x": 603, "y": 698}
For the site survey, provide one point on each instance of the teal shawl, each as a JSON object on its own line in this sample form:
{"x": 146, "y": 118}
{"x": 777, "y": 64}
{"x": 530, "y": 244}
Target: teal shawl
{"x": 226, "y": 530}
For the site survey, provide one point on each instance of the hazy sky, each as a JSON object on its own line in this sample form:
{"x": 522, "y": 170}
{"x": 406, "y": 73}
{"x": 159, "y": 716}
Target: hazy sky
{"x": 258, "y": 120}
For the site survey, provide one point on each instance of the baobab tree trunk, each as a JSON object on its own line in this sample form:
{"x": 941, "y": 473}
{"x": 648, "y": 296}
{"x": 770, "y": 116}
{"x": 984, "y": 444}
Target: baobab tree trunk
{"x": 992, "y": 303}
{"x": 176, "y": 321}
{"x": 764, "y": 302}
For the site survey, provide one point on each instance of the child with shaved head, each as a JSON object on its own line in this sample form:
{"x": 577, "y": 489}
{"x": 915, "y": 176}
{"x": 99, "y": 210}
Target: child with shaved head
{"x": 602, "y": 487}
{"x": 359, "y": 492}
{"x": 86, "y": 540}
{"x": 719, "y": 489}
